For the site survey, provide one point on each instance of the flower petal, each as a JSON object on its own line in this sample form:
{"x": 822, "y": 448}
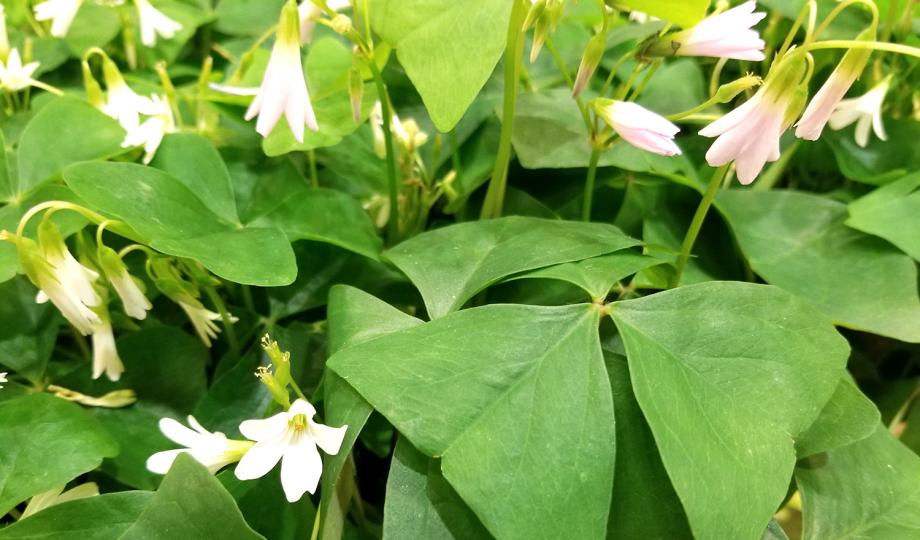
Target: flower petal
{"x": 301, "y": 467}
{"x": 260, "y": 459}
{"x": 265, "y": 429}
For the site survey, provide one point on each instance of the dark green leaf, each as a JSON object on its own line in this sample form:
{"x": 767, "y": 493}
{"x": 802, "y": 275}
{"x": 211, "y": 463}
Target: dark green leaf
{"x": 95, "y": 518}
{"x": 848, "y": 417}
{"x": 885, "y": 211}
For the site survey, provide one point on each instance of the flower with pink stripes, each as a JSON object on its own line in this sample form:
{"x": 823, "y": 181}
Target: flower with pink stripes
{"x": 639, "y": 126}
{"x": 726, "y": 35}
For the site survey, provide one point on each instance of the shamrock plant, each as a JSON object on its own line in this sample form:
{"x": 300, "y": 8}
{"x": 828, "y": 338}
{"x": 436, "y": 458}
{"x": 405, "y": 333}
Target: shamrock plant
{"x": 459, "y": 269}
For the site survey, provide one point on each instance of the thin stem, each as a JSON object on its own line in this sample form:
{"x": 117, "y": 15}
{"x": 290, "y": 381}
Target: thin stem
{"x": 393, "y": 222}
{"x": 560, "y": 63}
{"x": 613, "y": 71}
{"x": 697, "y": 223}
{"x": 838, "y": 9}
{"x": 225, "y": 318}
{"x": 855, "y": 44}
{"x": 645, "y": 80}
{"x": 514, "y": 50}
{"x": 810, "y": 10}
{"x": 589, "y": 184}
{"x": 314, "y": 175}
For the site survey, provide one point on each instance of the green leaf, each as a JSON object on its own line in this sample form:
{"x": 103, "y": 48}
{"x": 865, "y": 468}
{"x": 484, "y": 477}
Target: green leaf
{"x": 94, "y": 26}
{"x": 799, "y": 242}
{"x": 354, "y": 317}
{"x": 245, "y": 17}
{"x": 192, "y": 504}
{"x": 516, "y": 401}
{"x": 880, "y": 161}
{"x": 46, "y": 442}
{"x": 65, "y": 131}
{"x": 869, "y": 489}
{"x": 450, "y": 265}
{"x": 740, "y": 384}
{"x": 848, "y": 417}
{"x": 266, "y": 509}
{"x": 29, "y": 330}
{"x": 419, "y": 503}
{"x": 885, "y": 211}
{"x": 448, "y": 48}
{"x": 194, "y": 161}
{"x": 683, "y": 13}
{"x": 598, "y": 275}
{"x": 644, "y": 504}
{"x": 325, "y": 215}
{"x": 9, "y": 186}
{"x": 94, "y": 518}
{"x": 549, "y": 132}
{"x": 168, "y": 215}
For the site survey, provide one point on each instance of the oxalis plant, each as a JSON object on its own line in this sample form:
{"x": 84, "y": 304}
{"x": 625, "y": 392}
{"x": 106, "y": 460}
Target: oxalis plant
{"x": 412, "y": 269}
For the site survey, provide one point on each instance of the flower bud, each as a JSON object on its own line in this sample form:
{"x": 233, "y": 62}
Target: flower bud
{"x": 729, "y": 91}
{"x": 280, "y": 360}
{"x": 589, "y": 62}
{"x": 276, "y": 389}
{"x": 93, "y": 90}
{"x": 342, "y": 24}
{"x": 796, "y": 105}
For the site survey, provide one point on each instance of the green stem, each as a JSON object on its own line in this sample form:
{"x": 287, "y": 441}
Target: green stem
{"x": 514, "y": 49}
{"x": 589, "y": 184}
{"x": 225, "y": 319}
{"x": 560, "y": 63}
{"x": 392, "y": 178}
{"x": 697, "y": 223}
{"x": 854, "y": 44}
{"x": 314, "y": 175}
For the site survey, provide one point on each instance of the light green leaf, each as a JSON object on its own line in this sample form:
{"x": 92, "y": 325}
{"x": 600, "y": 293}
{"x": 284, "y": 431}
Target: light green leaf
{"x": 245, "y": 17}
{"x": 65, "y": 131}
{"x": 848, "y": 417}
{"x": 598, "y": 275}
{"x": 869, "y": 489}
{"x": 740, "y": 384}
{"x": 94, "y": 26}
{"x": 448, "y": 48}
{"x": 683, "y": 13}
{"x": 167, "y": 214}
{"x": 516, "y": 401}
{"x": 798, "y": 241}
{"x": 95, "y": 518}
{"x": 887, "y": 210}
{"x": 419, "y": 503}
{"x": 46, "y": 442}
{"x": 450, "y": 265}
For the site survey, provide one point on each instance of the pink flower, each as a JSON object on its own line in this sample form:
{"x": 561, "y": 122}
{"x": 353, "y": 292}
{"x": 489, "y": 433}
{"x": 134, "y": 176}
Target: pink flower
{"x": 726, "y": 35}
{"x": 639, "y": 126}
{"x": 284, "y": 86}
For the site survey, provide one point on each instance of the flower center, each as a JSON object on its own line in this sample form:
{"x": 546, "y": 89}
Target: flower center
{"x": 299, "y": 422}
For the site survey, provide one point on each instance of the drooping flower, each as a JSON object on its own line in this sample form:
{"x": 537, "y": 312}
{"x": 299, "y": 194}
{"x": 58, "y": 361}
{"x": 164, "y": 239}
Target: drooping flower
{"x": 60, "y": 277}
{"x": 154, "y": 22}
{"x": 15, "y": 77}
{"x": 213, "y": 450}
{"x": 290, "y": 437}
{"x": 309, "y": 12}
{"x": 866, "y": 111}
{"x": 61, "y": 13}
{"x": 202, "y": 319}
{"x": 57, "y": 496}
{"x": 122, "y": 103}
{"x": 284, "y": 86}
{"x": 125, "y": 285}
{"x": 831, "y": 93}
{"x": 639, "y": 126}
{"x": 151, "y": 131}
{"x": 105, "y": 354}
{"x": 749, "y": 135}
{"x": 726, "y": 35}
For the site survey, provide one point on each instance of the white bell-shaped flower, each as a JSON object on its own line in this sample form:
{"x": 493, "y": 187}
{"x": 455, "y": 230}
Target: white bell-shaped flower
{"x": 126, "y": 286}
{"x": 202, "y": 319}
{"x": 61, "y": 13}
{"x": 866, "y": 111}
{"x": 213, "y": 450}
{"x": 151, "y": 131}
{"x": 728, "y": 34}
{"x": 154, "y": 23}
{"x": 292, "y": 438}
{"x": 14, "y": 76}
{"x": 639, "y": 126}
{"x": 122, "y": 103}
{"x": 105, "y": 354}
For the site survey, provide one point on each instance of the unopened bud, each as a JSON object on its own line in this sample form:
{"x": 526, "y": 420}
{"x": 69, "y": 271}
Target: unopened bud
{"x": 279, "y": 393}
{"x": 281, "y": 360}
{"x": 93, "y": 90}
{"x": 589, "y": 62}
{"x": 341, "y": 24}
{"x": 536, "y": 11}
{"x": 729, "y": 91}
{"x": 796, "y": 105}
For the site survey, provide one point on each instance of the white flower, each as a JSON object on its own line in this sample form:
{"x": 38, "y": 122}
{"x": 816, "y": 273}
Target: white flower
{"x": 726, "y": 35}
{"x": 233, "y": 90}
{"x": 127, "y": 288}
{"x": 213, "y": 450}
{"x": 105, "y": 354}
{"x": 122, "y": 103}
{"x": 154, "y": 22}
{"x": 150, "y": 133}
{"x": 866, "y": 111}
{"x": 290, "y": 437}
{"x": 284, "y": 86}
{"x": 639, "y": 126}
{"x": 3, "y": 378}
{"x": 202, "y": 320}
{"x": 309, "y": 12}
{"x": 15, "y": 77}
{"x": 57, "y": 495}
{"x": 60, "y": 12}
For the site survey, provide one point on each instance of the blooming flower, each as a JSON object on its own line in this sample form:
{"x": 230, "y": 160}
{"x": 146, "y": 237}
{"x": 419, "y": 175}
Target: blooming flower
{"x": 3, "y": 378}
{"x": 726, "y": 35}
{"x": 57, "y": 496}
{"x": 639, "y": 126}
{"x": 290, "y": 437}
{"x": 866, "y": 111}
{"x": 105, "y": 354}
{"x": 309, "y": 12}
{"x": 284, "y": 86}
{"x": 213, "y": 450}
{"x": 15, "y": 77}
{"x": 131, "y": 295}
{"x": 154, "y": 22}
{"x": 202, "y": 319}
{"x": 150, "y": 133}
{"x": 749, "y": 135}
{"x": 60, "y": 12}
{"x": 827, "y": 99}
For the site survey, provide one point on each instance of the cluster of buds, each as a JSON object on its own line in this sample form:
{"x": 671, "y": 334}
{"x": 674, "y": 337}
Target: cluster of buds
{"x": 543, "y": 17}
{"x": 291, "y": 437}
